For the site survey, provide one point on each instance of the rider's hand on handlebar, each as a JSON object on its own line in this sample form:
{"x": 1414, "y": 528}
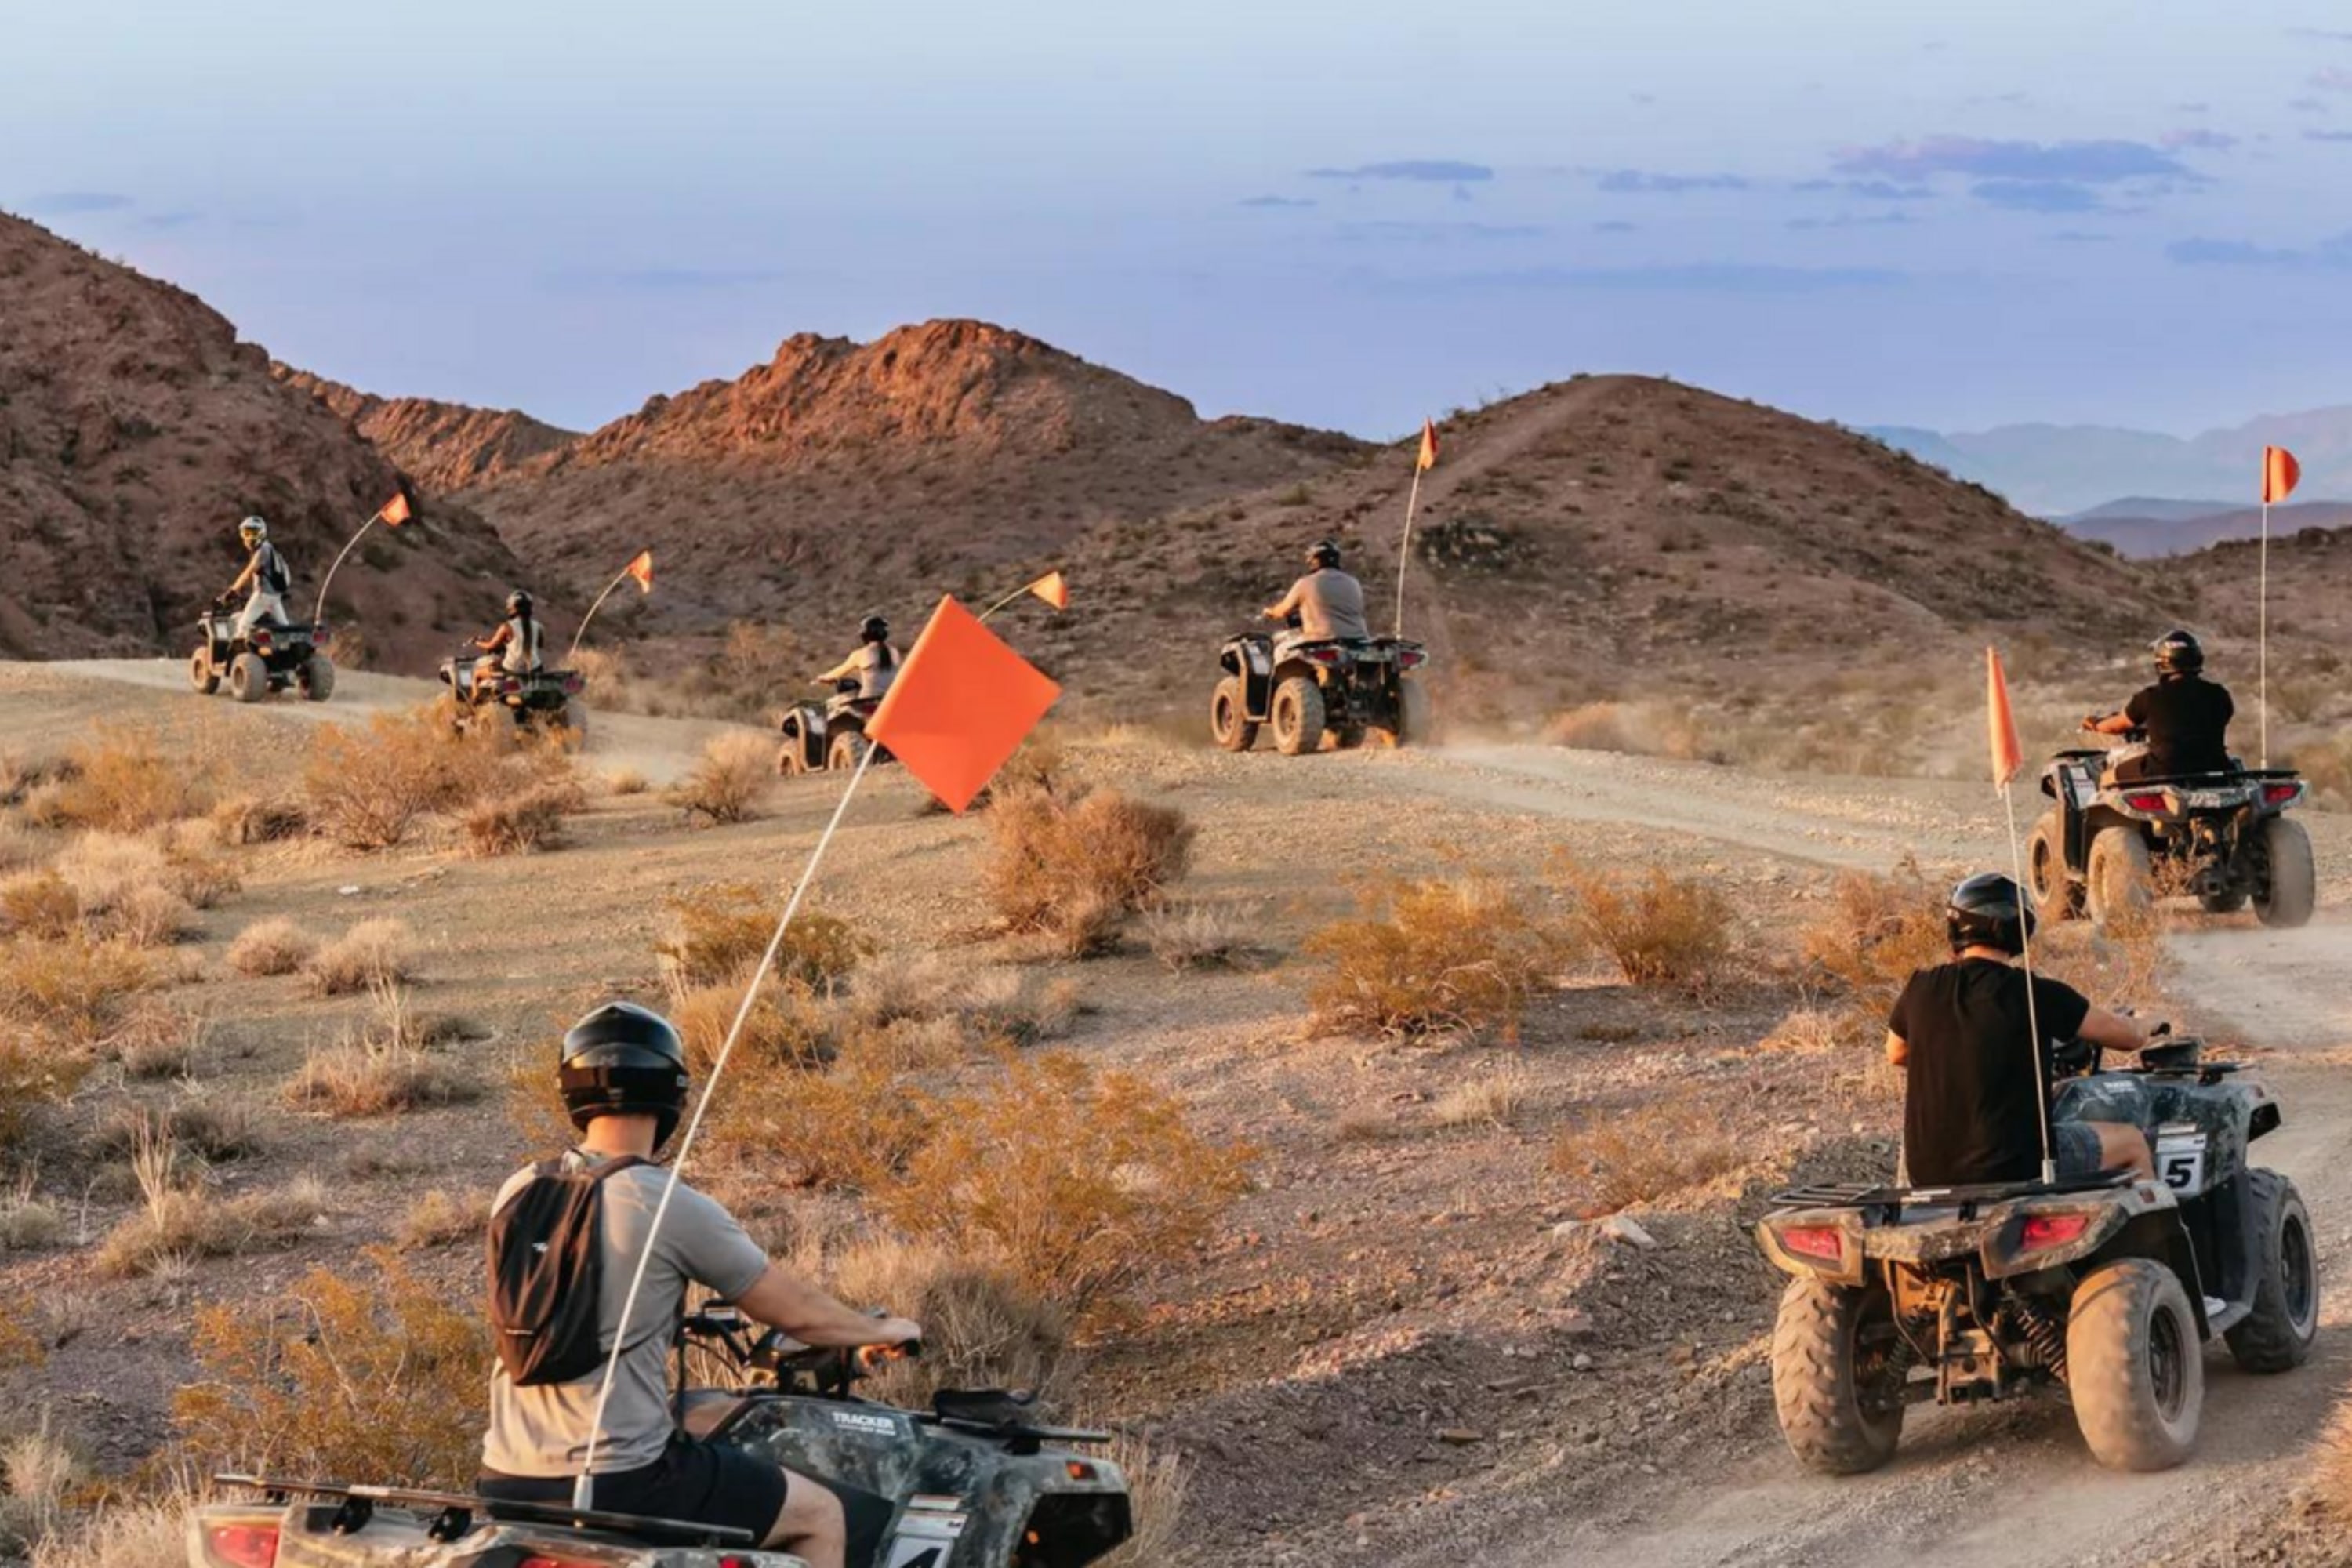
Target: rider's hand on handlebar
{"x": 894, "y": 1339}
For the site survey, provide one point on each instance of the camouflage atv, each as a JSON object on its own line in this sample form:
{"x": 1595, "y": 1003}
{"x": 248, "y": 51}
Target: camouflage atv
{"x": 969, "y": 1483}
{"x": 2102, "y": 1287}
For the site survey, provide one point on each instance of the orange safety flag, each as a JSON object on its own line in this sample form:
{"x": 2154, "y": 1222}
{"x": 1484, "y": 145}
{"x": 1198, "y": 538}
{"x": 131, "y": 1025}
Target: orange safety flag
{"x": 1053, "y": 589}
{"x": 641, "y": 569}
{"x": 2007, "y": 755}
{"x": 2280, "y": 474}
{"x": 395, "y": 511}
{"x": 959, "y": 706}
{"x": 1428, "y": 458}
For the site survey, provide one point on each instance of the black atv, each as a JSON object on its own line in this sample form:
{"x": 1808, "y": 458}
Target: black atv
{"x": 1346, "y": 687}
{"x": 2102, "y": 1286}
{"x": 548, "y": 698}
{"x": 829, "y": 734}
{"x": 275, "y": 656}
{"x": 969, "y": 1483}
{"x": 2107, "y": 844}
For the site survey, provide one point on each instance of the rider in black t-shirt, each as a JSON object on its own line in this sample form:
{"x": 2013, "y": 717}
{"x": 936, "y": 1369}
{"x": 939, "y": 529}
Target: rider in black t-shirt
{"x": 2186, "y": 717}
{"x": 1971, "y": 1111}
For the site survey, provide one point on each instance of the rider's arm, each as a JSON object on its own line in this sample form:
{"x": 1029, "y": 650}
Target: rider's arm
{"x": 1898, "y": 1050}
{"x": 497, "y": 639}
{"x": 2110, "y": 1032}
{"x": 783, "y": 1300}
{"x": 2113, "y": 724}
{"x": 845, "y": 671}
{"x": 245, "y": 578}
{"x": 1289, "y": 605}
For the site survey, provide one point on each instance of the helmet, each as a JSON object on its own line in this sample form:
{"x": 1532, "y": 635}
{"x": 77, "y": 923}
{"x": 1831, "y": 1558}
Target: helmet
{"x": 875, "y": 630}
{"x": 2177, "y": 653}
{"x": 517, "y": 602}
{"x": 624, "y": 1060}
{"x": 1323, "y": 553}
{"x": 1989, "y": 910}
{"x": 252, "y": 529}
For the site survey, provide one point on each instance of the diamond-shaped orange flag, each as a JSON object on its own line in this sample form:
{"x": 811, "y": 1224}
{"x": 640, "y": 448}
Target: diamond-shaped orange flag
{"x": 960, "y": 703}
{"x": 395, "y": 511}
{"x": 2001, "y": 724}
{"x": 641, "y": 569}
{"x": 1054, "y": 589}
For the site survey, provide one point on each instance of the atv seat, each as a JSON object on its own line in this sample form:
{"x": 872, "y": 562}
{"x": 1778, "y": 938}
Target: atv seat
{"x": 709, "y": 1411}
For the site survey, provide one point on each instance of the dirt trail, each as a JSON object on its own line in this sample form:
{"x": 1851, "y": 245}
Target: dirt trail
{"x": 661, "y": 749}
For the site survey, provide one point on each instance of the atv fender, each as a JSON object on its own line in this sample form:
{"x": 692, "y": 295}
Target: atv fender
{"x": 1253, "y": 662}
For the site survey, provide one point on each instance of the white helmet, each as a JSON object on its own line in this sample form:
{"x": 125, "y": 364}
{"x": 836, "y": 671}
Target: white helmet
{"x": 252, "y": 528}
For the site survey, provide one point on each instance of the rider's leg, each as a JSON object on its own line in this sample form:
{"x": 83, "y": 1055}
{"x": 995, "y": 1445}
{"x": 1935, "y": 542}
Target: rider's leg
{"x": 812, "y": 1524}
{"x": 2122, "y": 1146}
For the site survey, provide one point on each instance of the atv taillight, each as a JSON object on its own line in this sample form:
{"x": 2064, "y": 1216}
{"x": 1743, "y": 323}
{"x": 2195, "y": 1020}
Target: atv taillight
{"x": 260, "y": 638}
{"x": 1825, "y": 1242}
{"x": 538, "y": 1560}
{"x": 2280, "y": 794}
{"x": 2051, "y": 1231}
{"x": 244, "y": 1545}
{"x": 1408, "y": 657}
{"x": 1080, "y": 1470}
{"x": 2150, "y": 803}
{"x": 1324, "y": 655}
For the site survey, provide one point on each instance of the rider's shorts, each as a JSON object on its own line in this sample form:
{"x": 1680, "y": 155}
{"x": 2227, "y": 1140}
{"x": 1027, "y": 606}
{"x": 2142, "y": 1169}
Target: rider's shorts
{"x": 2075, "y": 1147}
{"x": 695, "y": 1479}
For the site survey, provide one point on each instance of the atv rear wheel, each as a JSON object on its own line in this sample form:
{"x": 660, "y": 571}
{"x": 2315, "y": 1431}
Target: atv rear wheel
{"x": 317, "y": 677}
{"x": 571, "y": 725}
{"x": 2055, "y": 895}
{"x": 2118, "y": 875}
{"x": 2276, "y": 1335}
{"x": 248, "y": 678}
{"x": 1833, "y": 1376}
{"x": 2135, "y": 1367}
{"x": 1229, "y": 723}
{"x": 845, "y": 749}
{"x": 1297, "y": 715}
{"x": 201, "y": 673}
{"x": 1416, "y": 715}
{"x": 2288, "y": 893}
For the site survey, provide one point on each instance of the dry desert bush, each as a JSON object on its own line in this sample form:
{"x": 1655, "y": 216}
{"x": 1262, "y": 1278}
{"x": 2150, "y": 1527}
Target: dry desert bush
{"x": 376, "y": 1072}
{"x": 373, "y": 953}
{"x": 784, "y": 1027}
{"x": 1660, "y": 930}
{"x": 1195, "y": 936}
{"x": 717, "y": 934}
{"x": 274, "y": 946}
{"x": 625, "y": 781}
{"x": 138, "y": 1531}
{"x": 1493, "y": 1100}
{"x": 522, "y": 820}
{"x": 40, "y": 904}
{"x": 343, "y": 1373}
{"x": 180, "y": 1220}
{"x": 1075, "y": 865}
{"x": 369, "y": 788}
{"x": 437, "y": 1219}
{"x": 728, "y": 782}
{"x": 1874, "y": 932}
{"x": 75, "y": 989}
{"x": 248, "y": 819}
{"x": 27, "y": 1223}
{"x": 983, "y": 1328}
{"x": 1645, "y": 1152}
{"x": 123, "y": 780}
{"x": 1439, "y": 955}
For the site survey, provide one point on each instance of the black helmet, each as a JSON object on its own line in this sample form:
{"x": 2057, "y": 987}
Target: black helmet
{"x": 1989, "y": 910}
{"x": 2177, "y": 653}
{"x": 624, "y": 1060}
{"x": 517, "y": 602}
{"x": 1323, "y": 553}
{"x": 875, "y": 630}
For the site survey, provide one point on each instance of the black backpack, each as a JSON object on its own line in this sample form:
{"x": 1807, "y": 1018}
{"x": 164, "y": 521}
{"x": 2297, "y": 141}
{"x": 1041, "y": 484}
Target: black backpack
{"x": 274, "y": 575}
{"x": 547, "y": 1269}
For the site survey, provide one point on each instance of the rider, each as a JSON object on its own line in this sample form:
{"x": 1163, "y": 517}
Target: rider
{"x": 1974, "y": 1100}
{"x": 624, "y": 1076}
{"x": 265, "y": 574}
{"x": 514, "y": 646}
{"x": 873, "y": 664}
{"x": 2186, "y": 717}
{"x": 1329, "y": 603}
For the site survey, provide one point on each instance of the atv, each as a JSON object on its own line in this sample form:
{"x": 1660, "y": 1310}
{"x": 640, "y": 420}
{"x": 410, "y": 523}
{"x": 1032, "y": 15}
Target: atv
{"x": 2107, "y": 844}
{"x": 829, "y": 734}
{"x": 2102, "y": 1286}
{"x": 1346, "y": 687}
{"x": 273, "y": 657}
{"x": 972, "y": 1482}
{"x": 548, "y": 698}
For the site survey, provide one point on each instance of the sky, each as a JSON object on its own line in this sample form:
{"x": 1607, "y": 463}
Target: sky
{"x": 1348, "y": 213}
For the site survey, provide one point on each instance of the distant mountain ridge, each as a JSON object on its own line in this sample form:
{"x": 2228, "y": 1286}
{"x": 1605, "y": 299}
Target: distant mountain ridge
{"x": 2161, "y": 534}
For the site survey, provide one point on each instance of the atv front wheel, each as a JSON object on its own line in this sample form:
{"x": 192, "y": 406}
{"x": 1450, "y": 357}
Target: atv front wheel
{"x": 317, "y": 677}
{"x": 248, "y": 678}
{"x": 2055, "y": 895}
{"x": 1835, "y": 1377}
{"x": 201, "y": 673}
{"x": 1297, "y": 715}
{"x": 2135, "y": 1367}
{"x": 2118, "y": 875}
{"x": 845, "y": 749}
{"x": 1229, "y": 723}
{"x": 2293, "y": 885}
{"x": 2276, "y": 1335}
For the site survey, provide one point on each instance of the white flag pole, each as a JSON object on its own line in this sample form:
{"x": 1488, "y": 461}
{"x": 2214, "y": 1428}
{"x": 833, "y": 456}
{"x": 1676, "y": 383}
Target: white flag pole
{"x": 1404, "y": 552}
{"x": 593, "y": 609}
{"x": 2033, "y": 1011}
{"x": 2264, "y": 615}
{"x": 318, "y": 611}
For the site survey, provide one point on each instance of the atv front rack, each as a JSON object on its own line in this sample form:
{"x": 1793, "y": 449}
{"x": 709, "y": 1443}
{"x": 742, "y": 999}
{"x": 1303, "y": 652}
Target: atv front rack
{"x": 1880, "y": 1202}
{"x": 454, "y": 1512}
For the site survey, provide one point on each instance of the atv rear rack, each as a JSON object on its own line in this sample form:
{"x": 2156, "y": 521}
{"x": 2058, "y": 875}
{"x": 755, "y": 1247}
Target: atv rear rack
{"x": 454, "y": 1512}
{"x": 1880, "y": 1203}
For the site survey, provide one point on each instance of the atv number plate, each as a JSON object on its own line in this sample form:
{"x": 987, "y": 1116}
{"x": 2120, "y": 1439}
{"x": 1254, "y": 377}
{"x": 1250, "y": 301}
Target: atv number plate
{"x": 2181, "y": 1159}
{"x": 2210, "y": 799}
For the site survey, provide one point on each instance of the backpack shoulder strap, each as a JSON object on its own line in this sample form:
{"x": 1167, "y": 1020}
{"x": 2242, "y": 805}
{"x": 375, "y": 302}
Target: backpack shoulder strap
{"x": 615, "y": 1166}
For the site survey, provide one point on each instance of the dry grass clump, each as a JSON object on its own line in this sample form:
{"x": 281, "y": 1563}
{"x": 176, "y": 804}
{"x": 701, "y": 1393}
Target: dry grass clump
{"x": 1195, "y": 936}
{"x": 273, "y": 946}
{"x": 1645, "y": 1152}
{"x": 33, "y": 1075}
{"x": 716, "y": 933}
{"x": 142, "y": 891}
{"x": 372, "y": 1074}
{"x": 1640, "y": 728}
{"x": 248, "y": 819}
{"x": 1495, "y": 1100}
{"x": 437, "y": 1219}
{"x": 39, "y": 904}
{"x": 1157, "y": 1481}
{"x": 786, "y": 1027}
{"x": 1432, "y": 956}
{"x": 373, "y": 953}
{"x": 988, "y": 1006}
{"x": 728, "y": 782}
{"x": 341, "y": 1375}
{"x": 139, "y": 1533}
{"x": 156, "y": 1040}
{"x": 122, "y": 780}
{"x": 625, "y": 781}
{"x": 1073, "y": 865}
{"x": 527, "y": 820}
{"x": 179, "y": 1222}
{"x": 27, "y": 1223}
{"x": 39, "y": 1471}
{"x": 198, "y": 1127}
{"x": 1661, "y": 931}
{"x": 984, "y": 1326}
{"x": 1866, "y": 944}
{"x": 75, "y": 988}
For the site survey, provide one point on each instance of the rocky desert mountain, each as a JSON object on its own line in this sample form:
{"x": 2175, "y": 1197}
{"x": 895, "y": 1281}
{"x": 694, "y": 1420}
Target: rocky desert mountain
{"x": 136, "y": 429}
{"x": 446, "y": 446}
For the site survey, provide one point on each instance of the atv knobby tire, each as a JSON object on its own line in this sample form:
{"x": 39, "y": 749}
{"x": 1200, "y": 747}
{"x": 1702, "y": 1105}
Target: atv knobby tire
{"x": 1297, "y": 715}
{"x": 2276, "y": 1335}
{"x": 317, "y": 677}
{"x": 570, "y": 724}
{"x": 248, "y": 678}
{"x": 845, "y": 749}
{"x": 2118, "y": 875}
{"x": 201, "y": 673}
{"x": 1829, "y": 1414}
{"x": 1416, "y": 714}
{"x": 2056, "y": 896}
{"x": 2293, "y": 885}
{"x": 1229, "y": 723}
{"x": 2135, "y": 1367}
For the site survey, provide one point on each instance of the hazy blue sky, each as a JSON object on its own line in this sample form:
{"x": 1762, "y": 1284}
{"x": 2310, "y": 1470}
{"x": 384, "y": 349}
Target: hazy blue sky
{"x": 2113, "y": 211}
